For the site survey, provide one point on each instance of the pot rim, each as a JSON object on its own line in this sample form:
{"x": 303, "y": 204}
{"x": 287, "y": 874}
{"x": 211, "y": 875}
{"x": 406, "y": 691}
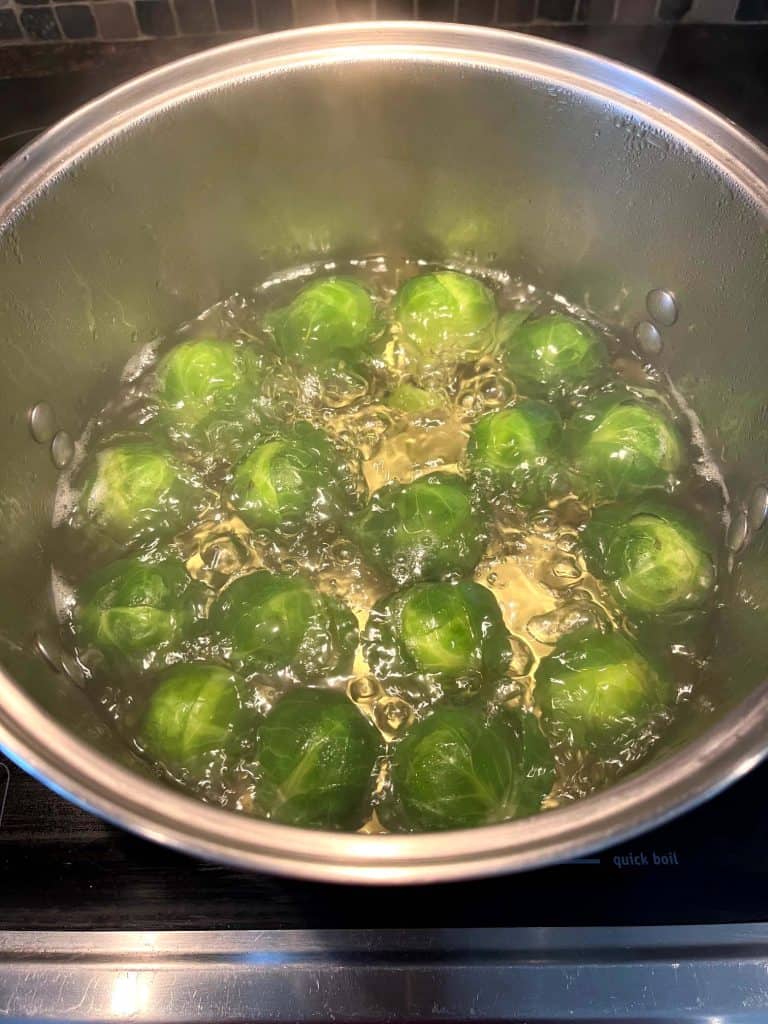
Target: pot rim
{"x": 674, "y": 783}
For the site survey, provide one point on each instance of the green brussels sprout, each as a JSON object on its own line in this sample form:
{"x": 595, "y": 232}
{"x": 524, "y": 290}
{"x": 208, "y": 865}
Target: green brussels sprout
{"x": 598, "y": 690}
{"x": 427, "y": 529}
{"x": 294, "y": 479}
{"x": 452, "y": 633}
{"x": 515, "y": 451}
{"x": 536, "y": 760}
{"x": 654, "y": 557}
{"x": 317, "y": 755}
{"x": 194, "y": 715}
{"x": 554, "y": 356}
{"x": 269, "y": 623}
{"x": 330, "y": 319}
{"x": 445, "y": 317}
{"x": 198, "y": 381}
{"x": 622, "y": 446}
{"x": 133, "y": 610}
{"x": 455, "y": 769}
{"x": 136, "y": 491}
{"x": 415, "y": 400}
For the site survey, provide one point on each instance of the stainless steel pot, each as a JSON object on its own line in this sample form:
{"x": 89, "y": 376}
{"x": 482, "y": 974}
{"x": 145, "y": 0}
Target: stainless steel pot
{"x": 155, "y": 201}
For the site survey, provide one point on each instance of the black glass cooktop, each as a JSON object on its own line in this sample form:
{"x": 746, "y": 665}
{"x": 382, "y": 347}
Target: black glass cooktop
{"x": 62, "y": 868}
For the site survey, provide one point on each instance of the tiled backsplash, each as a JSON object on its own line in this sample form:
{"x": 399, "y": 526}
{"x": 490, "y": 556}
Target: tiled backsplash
{"x": 36, "y": 21}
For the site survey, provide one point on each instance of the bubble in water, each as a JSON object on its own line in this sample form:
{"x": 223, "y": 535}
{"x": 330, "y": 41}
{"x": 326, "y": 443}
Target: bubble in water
{"x": 544, "y": 522}
{"x": 392, "y": 715}
{"x": 561, "y": 572}
{"x": 522, "y": 658}
{"x": 363, "y": 690}
{"x": 552, "y": 626}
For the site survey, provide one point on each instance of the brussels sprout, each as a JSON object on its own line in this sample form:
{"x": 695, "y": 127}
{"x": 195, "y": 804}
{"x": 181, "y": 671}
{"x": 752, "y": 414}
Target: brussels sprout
{"x": 412, "y": 399}
{"x": 622, "y": 446}
{"x": 598, "y": 690}
{"x": 452, "y": 633}
{"x": 136, "y": 490}
{"x": 194, "y": 715}
{"x": 294, "y": 479}
{"x": 455, "y": 769}
{"x": 317, "y": 755}
{"x": 515, "y": 451}
{"x": 654, "y": 557}
{"x": 554, "y": 356}
{"x": 445, "y": 317}
{"x": 132, "y": 610}
{"x": 330, "y": 319}
{"x": 423, "y": 530}
{"x": 270, "y": 623}
{"x": 200, "y": 380}
{"x": 536, "y": 761}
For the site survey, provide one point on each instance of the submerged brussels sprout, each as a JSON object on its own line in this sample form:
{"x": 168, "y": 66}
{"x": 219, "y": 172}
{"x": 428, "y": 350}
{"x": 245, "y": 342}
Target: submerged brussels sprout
{"x": 136, "y": 490}
{"x": 452, "y": 633}
{"x": 655, "y": 558}
{"x": 194, "y": 714}
{"x": 535, "y": 758}
{"x": 317, "y": 755}
{"x": 622, "y": 445}
{"x": 270, "y": 623}
{"x": 516, "y": 451}
{"x": 329, "y": 320}
{"x": 411, "y": 399}
{"x": 455, "y": 769}
{"x": 445, "y": 317}
{"x": 133, "y": 610}
{"x": 423, "y": 530}
{"x": 200, "y": 380}
{"x": 554, "y": 356}
{"x": 294, "y": 479}
{"x": 598, "y": 690}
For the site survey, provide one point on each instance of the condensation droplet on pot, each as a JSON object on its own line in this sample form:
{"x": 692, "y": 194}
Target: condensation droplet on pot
{"x": 48, "y": 650}
{"x": 521, "y": 658}
{"x": 62, "y": 449}
{"x": 648, "y": 338}
{"x": 662, "y": 306}
{"x": 42, "y": 422}
{"x": 757, "y": 511}
{"x": 736, "y": 537}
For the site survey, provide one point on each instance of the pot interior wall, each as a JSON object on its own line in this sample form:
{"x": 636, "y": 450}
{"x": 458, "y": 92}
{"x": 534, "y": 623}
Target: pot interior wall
{"x": 412, "y": 157}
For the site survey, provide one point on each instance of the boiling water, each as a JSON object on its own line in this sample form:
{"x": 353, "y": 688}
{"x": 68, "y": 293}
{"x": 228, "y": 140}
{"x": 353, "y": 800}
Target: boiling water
{"x": 532, "y": 563}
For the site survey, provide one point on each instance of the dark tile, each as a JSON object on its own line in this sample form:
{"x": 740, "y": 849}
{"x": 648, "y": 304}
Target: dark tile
{"x": 9, "y": 26}
{"x": 234, "y": 14}
{"x": 354, "y": 10}
{"x": 31, "y": 3}
{"x": 313, "y": 12}
{"x": 752, "y": 10}
{"x": 395, "y": 9}
{"x": 275, "y": 15}
{"x": 116, "y": 20}
{"x": 194, "y": 17}
{"x": 435, "y": 10}
{"x": 513, "y": 12}
{"x": 635, "y": 12}
{"x": 555, "y": 10}
{"x": 155, "y": 18}
{"x": 674, "y": 10}
{"x": 76, "y": 21}
{"x": 477, "y": 12}
{"x": 40, "y": 23}
{"x": 595, "y": 12}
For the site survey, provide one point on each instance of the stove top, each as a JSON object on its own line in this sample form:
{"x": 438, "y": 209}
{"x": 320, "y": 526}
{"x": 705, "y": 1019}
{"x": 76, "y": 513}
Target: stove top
{"x": 63, "y": 868}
